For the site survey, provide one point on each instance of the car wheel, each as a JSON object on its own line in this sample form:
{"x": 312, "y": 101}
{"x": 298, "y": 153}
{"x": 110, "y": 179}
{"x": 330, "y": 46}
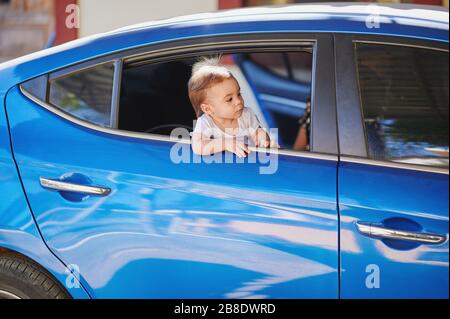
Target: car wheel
{"x": 21, "y": 278}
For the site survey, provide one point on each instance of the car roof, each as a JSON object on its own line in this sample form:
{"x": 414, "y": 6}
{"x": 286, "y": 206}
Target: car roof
{"x": 415, "y": 21}
{"x": 330, "y": 10}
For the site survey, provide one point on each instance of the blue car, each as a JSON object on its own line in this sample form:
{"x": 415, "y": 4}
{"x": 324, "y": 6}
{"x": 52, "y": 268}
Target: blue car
{"x": 102, "y": 197}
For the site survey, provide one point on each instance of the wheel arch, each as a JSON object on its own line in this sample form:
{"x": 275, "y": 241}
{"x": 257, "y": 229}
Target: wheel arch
{"x": 46, "y": 261}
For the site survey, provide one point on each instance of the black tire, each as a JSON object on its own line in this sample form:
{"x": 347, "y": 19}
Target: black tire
{"x": 22, "y": 278}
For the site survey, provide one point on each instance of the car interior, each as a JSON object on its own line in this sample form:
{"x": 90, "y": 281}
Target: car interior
{"x": 154, "y": 97}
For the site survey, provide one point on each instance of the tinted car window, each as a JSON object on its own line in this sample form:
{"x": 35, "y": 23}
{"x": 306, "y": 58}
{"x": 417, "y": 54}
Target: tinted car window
{"x": 37, "y": 87}
{"x": 404, "y": 95}
{"x": 86, "y": 94}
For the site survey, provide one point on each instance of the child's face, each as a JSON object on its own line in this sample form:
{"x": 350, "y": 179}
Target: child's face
{"x": 224, "y": 101}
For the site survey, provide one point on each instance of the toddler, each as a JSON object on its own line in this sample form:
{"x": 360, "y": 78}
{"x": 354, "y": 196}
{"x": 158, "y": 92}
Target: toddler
{"x": 223, "y": 123}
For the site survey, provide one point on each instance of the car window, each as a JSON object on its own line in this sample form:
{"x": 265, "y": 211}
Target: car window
{"x": 405, "y": 103}
{"x": 284, "y": 99}
{"x": 301, "y": 66}
{"x": 272, "y": 61}
{"x": 148, "y": 103}
{"x": 86, "y": 94}
{"x": 295, "y": 66}
{"x": 37, "y": 87}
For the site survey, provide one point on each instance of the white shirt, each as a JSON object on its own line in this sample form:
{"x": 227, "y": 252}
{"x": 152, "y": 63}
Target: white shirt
{"x": 248, "y": 123}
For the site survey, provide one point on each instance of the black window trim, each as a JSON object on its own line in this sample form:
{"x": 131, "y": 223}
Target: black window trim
{"x": 352, "y": 134}
{"x": 324, "y": 143}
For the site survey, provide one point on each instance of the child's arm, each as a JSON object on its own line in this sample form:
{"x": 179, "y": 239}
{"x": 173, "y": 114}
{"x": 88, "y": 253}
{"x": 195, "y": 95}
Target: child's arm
{"x": 203, "y": 145}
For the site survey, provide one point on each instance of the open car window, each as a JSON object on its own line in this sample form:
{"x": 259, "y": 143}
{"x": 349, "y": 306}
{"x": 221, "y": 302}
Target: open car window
{"x": 275, "y": 85}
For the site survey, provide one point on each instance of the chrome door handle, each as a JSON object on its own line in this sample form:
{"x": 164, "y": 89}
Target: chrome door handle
{"x": 71, "y": 187}
{"x": 377, "y": 231}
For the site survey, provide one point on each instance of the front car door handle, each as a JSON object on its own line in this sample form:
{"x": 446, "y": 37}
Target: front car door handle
{"x": 377, "y": 231}
{"x": 72, "y": 187}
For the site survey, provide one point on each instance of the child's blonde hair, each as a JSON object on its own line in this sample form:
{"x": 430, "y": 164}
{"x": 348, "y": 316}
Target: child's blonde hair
{"x": 205, "y": 73}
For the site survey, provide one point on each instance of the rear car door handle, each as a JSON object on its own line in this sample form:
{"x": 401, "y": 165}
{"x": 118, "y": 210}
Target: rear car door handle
{"x": 72, "y": 187}
{"x": 377, "y": 231}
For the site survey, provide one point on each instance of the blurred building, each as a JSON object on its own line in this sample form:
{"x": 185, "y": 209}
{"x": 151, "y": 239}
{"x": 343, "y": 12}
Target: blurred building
{"x": 30, "y": 25}
{"x": 25, "y": 26}
{"x": 112, "y": 13}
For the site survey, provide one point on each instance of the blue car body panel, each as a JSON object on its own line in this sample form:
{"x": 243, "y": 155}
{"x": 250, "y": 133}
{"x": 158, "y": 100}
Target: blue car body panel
{"x": 178, "y": 230}
{"x": 192, "y": 230}
{"x": 18, "y": 231}
{"x": 400, "y": 199}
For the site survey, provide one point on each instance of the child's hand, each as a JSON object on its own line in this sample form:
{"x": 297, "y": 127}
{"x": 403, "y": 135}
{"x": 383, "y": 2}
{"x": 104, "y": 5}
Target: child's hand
{"x": 261, "y": 138}
{"x": 236, "y": 147}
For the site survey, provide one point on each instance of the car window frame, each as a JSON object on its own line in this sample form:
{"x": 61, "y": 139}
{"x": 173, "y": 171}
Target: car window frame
{"x": 351, "y": 129}
{"x": 324, "y": 143}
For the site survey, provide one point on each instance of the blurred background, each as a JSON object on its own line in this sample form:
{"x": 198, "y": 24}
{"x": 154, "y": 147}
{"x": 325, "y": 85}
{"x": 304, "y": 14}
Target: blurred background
{"x": 30, "y": 25}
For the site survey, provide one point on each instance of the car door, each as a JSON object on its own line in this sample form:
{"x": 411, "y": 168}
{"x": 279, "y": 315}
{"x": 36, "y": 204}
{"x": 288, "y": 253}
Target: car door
{"x": 392, "y": 98}
{"x": 135, "y": 223}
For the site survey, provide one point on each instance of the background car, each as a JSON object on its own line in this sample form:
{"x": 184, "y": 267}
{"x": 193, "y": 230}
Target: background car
{"x": 93, "y": 206}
